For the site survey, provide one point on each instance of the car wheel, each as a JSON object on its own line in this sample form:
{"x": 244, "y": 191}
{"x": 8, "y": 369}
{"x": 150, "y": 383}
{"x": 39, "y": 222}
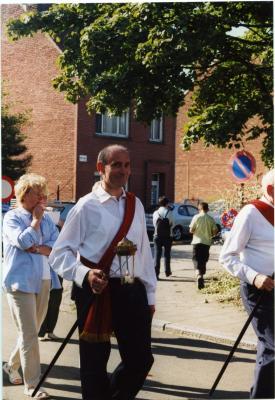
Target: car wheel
{"x": 177, "y": 233}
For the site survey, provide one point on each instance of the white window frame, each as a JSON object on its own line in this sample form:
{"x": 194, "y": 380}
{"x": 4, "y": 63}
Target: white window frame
{"x": 156, "y": 136}
{"x": 117, "y": 133}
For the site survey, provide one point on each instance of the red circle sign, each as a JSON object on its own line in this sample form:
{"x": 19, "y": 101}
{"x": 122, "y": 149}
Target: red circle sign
{"x": 7, "y": 189}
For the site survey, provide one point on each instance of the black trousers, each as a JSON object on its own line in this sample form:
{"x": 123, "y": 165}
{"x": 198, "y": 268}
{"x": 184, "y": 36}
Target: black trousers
{"x": 159, "y": 243}
{"x": 132, "y": 327}
{"x": 200, "y": 257}
{"x": 50, "y": 320}
{"x": 263, "y": 324}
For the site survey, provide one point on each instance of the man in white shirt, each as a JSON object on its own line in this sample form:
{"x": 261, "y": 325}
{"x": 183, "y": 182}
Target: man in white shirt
{"x": 163, "y": 238}
{"x": 87, "y": 233}
{"x": 248, "y": 253}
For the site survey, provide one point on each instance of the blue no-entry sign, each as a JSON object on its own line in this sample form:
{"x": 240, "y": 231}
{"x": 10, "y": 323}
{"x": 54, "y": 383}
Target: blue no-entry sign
{"x": 242, "y": 165}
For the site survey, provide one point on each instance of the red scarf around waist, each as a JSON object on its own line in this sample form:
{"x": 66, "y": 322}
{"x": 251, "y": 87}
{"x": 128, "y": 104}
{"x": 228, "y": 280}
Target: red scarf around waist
{"x": 98, "y": 324}
{"x": 265, "y": 209}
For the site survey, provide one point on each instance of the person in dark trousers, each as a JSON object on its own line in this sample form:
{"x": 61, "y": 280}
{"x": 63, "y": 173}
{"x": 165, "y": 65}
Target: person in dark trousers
{"x": 120, "y": 294}
{"x": 46, "y": 331}
{"x": 203, "y": 228}
{"x": 248, "y": 253}
{"x": 163, "y": 235}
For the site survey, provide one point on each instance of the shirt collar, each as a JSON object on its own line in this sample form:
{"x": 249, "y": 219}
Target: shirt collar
{"x": 103, "y": 196}
{"x": 24, "y": 211}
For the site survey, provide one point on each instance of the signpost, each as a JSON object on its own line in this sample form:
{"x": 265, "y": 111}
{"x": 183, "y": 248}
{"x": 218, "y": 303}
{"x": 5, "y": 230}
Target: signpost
{"x": 242, "y": 166}
{"x": 7, "y": 189}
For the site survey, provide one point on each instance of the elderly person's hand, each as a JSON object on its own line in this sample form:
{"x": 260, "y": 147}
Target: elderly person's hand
{"x": 264, "y": 282}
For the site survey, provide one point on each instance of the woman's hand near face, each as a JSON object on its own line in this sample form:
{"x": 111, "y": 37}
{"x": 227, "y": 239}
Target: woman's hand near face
{"x": 37, "y": 214}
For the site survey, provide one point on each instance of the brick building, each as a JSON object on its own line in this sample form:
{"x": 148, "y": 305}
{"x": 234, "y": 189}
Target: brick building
{"x": 204, "y": 173}
{"x": 64, "y": 140}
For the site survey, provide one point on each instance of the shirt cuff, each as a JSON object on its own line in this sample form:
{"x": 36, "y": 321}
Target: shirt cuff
{"x": 81, "y": 272}
{"x": 151, "y": 299}
{"x": 251, "y": 275}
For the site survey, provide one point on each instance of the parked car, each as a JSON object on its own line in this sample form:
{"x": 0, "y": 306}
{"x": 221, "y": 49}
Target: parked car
{"x": 182, "y": 215}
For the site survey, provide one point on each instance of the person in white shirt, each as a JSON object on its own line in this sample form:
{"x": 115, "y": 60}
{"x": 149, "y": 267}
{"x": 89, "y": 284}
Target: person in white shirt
{"x": 163, "y": 238}
{"x": 87, "y": 233}
{"x": 248, "y": 253}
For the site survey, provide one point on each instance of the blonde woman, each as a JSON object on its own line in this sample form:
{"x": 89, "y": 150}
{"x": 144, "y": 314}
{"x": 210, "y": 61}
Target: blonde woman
{"x": 28, "y": 236}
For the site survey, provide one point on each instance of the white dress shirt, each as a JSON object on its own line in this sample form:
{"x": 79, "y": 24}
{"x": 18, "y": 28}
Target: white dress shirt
{"x": 88, "y": 231}
{"x": 249, "y": 246}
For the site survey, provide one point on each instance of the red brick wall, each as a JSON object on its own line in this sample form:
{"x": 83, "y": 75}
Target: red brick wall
{"x": 204, "y": 173}
{"x": 146, "y": 157}
{"x": 28, "y": 66}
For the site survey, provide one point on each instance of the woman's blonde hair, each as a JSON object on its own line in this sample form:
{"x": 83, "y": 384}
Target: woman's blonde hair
{"x": 27, "y": 182}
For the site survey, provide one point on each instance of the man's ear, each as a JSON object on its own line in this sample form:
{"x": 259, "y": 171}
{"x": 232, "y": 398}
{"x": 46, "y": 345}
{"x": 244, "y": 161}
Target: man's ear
{"x": 100, "y": 167}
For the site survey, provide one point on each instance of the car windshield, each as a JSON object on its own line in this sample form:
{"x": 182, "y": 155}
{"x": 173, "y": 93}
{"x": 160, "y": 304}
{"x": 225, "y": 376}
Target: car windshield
{"x": 192, "y": 210}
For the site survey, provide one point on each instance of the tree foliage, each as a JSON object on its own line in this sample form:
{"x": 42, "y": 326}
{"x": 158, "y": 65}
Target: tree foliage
{"x": 14, "y": 160}
{"x": 150, "y": 54}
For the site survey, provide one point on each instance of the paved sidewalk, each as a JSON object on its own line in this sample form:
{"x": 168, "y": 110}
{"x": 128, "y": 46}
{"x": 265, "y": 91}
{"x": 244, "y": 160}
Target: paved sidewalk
{"x": 182, "y": 309}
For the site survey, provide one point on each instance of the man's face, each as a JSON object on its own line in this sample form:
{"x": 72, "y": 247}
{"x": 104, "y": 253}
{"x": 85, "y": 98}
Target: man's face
{"x": 117, "y": 171}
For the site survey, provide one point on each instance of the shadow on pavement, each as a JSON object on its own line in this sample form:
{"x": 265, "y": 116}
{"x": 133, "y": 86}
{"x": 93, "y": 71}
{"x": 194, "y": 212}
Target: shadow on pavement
{"x": 188, "y": 392}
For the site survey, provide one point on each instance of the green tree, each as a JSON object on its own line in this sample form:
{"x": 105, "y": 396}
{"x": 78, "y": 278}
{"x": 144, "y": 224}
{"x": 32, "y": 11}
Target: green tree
{"x": 150, "y": 54}
{"x": 14, "y": 160}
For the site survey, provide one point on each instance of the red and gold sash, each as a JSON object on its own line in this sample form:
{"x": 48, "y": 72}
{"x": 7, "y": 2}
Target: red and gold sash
{"x": 98, "y": 324}
{"x": 265, "y": 209}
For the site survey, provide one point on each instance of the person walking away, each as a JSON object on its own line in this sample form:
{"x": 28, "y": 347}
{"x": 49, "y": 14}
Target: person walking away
{"x": 203, "y": 228}
{"x": 122, "y": 293}
{"x": 28, "y": 236}
{"x": 248, "y": 253}
{"x": 163, "y": 235}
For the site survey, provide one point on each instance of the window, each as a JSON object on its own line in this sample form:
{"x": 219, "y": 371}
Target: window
{"x": 182, "y": 211}
{"x": 192, "y": 210}
{"x": 156, "y": 130}
{"x": 107, "y": 125}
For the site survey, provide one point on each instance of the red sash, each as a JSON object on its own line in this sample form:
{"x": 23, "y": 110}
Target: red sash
{"x": 265, "y": 209}
{"x": 98, "y": 324}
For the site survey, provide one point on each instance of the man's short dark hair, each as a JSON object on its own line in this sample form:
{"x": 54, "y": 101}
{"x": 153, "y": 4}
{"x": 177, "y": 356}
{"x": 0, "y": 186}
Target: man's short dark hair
{"x": 163, "y": 201}
{"x": 104, "y": 154}
{"x": 204, "y": 206}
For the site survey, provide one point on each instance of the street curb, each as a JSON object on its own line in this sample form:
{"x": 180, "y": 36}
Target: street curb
{"x": 182, "y": 330}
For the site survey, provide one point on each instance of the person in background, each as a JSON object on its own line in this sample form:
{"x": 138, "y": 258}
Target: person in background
{"x": 46, "y": 331}
{"x": 163, "y": 235}
{"x": 203, "y": 228}
{"x": 119, "y": 300}
{"x": 248, "y": 253}
{"x": 28, "y": 237}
